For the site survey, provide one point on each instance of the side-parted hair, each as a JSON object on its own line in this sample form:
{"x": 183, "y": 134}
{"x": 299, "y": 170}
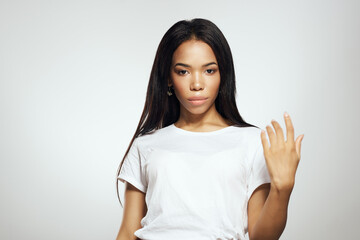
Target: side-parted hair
{"x": 160, "y": 110}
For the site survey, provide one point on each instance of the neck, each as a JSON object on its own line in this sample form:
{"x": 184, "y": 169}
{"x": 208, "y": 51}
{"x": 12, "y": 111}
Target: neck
{"x": 208, "y": 119}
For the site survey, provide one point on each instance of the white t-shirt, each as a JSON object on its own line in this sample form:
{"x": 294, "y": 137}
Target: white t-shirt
{"x": 197, "y": 184}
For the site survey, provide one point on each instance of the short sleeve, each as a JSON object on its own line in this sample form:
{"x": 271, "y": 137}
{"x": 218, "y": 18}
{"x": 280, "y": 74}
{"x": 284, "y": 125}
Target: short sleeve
{"x": 259, "y": 173}
{"x": 132, "y": 169}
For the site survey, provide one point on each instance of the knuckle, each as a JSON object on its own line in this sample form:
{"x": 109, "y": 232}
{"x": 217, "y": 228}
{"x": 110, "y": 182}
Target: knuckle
{"x": 291, "y": 147}
{"x": 291, "y": 128}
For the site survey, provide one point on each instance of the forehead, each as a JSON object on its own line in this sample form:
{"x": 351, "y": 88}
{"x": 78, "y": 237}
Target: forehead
{"x": 194, "y": 51}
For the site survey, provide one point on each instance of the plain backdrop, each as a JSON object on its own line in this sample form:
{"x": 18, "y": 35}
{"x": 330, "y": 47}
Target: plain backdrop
{"x": 73, "y": 79}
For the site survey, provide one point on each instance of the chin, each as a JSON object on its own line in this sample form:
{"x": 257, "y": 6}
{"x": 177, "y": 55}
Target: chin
{"x": 198, "y": 110}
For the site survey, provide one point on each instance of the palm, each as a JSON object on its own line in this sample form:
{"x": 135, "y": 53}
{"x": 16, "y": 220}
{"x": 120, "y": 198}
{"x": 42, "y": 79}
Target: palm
{"x": 282, "y": 157}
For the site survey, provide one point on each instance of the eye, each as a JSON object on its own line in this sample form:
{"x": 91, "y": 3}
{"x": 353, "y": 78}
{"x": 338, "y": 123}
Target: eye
{"x": 181, "y": 72}
{"x": 212, "y": 71}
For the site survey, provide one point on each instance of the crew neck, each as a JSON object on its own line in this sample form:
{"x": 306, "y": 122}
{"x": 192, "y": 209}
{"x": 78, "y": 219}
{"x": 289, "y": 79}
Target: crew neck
{"x": 183, "y": 131}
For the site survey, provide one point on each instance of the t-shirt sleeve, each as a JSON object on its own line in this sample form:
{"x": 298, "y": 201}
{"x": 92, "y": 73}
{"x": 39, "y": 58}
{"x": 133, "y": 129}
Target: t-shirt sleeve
{"x": 132, "y": 169}
{"x": 258, "y": 171}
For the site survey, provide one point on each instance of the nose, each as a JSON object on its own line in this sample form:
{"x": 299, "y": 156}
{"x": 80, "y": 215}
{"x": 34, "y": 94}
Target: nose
{"x": 197, "y": 82}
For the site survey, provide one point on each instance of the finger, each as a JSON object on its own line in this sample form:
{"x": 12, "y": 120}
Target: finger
{"x": 289, "y": 128}
{"x": 264, "y": 141}
{"x": 279, "y": 133}
{"x": 271, "y": 134}
{"x": 298, "y": 145}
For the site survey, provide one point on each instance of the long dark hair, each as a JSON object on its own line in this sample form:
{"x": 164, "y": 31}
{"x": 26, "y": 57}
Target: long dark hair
{"x": 160, "y": 110}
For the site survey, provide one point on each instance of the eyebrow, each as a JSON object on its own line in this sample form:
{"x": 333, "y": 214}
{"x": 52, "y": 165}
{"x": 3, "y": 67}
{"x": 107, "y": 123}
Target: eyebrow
{"x": 186, "y": 65}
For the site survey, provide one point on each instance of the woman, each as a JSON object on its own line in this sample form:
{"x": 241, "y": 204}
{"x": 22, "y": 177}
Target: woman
{"x": 194, "y": 168}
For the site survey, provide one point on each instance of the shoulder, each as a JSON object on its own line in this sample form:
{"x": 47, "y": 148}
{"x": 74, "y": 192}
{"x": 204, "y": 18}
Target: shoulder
{"x": 249, "y": 131}
{"x": 152, "y": 138}
{"x": 248, "y": 135}
{"x": 248, "y": 139}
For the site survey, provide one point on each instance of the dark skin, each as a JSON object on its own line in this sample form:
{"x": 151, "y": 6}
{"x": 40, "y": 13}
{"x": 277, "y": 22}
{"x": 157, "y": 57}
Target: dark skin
{"x": 267, "y": 207}
{"x": 134, "y": 210}
{"x": 198, "y": 75}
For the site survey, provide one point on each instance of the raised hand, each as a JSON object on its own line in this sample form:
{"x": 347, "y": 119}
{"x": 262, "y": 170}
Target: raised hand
{"x": 282, "y": 157}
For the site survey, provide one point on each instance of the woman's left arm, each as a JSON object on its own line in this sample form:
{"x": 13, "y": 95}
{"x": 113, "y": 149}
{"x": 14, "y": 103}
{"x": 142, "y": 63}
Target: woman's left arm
{"x": 267, "y": 207}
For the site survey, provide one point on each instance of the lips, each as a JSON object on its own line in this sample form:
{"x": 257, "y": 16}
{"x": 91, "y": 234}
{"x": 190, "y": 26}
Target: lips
{"x": 197, "y": 98}
{"x": 196, "y": 101}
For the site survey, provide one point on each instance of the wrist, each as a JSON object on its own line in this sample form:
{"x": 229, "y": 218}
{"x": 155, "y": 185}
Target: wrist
{"x": 282, "y": 187}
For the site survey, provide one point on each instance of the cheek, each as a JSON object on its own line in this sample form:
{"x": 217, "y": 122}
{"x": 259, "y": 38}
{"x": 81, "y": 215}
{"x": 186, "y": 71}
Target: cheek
{"x": 213, "y": 86}
{"x": 180, "y": 87}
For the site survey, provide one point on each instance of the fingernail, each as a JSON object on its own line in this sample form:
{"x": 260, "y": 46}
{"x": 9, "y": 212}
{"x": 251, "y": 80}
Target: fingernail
{"x": 286, "y": 114}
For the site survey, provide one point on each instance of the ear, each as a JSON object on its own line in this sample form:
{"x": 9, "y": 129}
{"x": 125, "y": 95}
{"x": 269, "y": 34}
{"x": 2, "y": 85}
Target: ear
{"x": 169, "y": 82}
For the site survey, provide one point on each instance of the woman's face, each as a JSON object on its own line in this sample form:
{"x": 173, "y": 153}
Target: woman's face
{"x": 195, "y": 73}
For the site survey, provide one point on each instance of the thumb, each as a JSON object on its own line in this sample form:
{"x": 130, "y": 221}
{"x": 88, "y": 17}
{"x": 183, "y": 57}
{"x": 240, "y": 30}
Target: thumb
{"x": 298, "y": 145}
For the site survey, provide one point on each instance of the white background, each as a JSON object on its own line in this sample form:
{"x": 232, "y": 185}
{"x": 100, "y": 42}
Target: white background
{"x": 73, "y": 79}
